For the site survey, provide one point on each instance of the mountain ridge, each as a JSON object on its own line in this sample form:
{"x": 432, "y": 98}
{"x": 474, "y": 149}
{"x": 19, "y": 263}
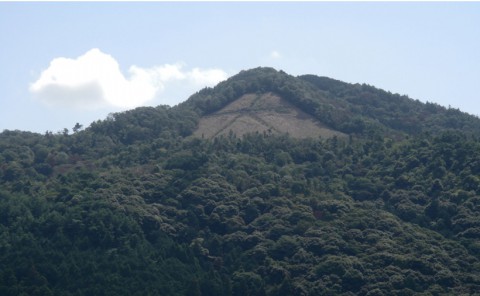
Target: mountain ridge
{"x": 344, "y": 107}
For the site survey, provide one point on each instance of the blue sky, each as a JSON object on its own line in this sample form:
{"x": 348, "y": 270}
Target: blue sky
{"x": 63, "y": 63}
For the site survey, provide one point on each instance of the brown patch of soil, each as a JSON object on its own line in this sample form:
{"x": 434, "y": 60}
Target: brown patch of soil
{"x": 267, "y": 113}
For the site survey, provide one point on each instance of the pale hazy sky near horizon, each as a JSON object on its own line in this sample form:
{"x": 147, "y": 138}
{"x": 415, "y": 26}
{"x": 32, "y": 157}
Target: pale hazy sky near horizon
{"x": 63, "y": 63}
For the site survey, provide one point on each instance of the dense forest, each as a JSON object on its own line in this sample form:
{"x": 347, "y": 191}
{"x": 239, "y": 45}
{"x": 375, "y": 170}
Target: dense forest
{"x": 135, "y": 205}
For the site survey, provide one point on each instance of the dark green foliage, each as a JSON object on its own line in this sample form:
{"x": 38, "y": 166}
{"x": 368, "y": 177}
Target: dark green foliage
{"x": 133, "y": 205}
{"x": 394, "y": 111}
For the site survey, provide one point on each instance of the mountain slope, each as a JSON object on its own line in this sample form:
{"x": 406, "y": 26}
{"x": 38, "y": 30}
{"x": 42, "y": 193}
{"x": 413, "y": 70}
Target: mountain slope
{"x": 138, "y": 205}
{"x": 395, "y": 111}
{"x": 266, "y": 113}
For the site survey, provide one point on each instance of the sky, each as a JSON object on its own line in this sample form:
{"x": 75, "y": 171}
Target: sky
{"x": 63, "y": 63}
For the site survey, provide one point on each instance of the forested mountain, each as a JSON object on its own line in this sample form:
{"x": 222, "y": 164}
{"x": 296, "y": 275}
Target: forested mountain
{"x": 386, "y": 203}
{"x": 350, "y": 108}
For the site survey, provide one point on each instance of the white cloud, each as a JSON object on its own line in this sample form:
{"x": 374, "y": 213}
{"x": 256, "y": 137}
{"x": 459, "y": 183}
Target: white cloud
{"x": 208, "y": 77}
{"x": 275, "y": 55}
{"x": 94, "y": 80}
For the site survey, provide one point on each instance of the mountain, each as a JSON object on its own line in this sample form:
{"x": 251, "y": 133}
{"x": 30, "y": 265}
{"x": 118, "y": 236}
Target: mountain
{"x": 267, "y": 184}
{"x": 348, "y": 108}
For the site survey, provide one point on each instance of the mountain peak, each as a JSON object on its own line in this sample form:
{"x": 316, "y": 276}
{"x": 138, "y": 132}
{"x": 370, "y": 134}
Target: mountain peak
{"x": 340, "y": 107}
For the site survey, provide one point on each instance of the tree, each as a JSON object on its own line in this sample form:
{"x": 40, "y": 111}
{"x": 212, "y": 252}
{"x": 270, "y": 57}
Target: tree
{"x": 77, "y": 127}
